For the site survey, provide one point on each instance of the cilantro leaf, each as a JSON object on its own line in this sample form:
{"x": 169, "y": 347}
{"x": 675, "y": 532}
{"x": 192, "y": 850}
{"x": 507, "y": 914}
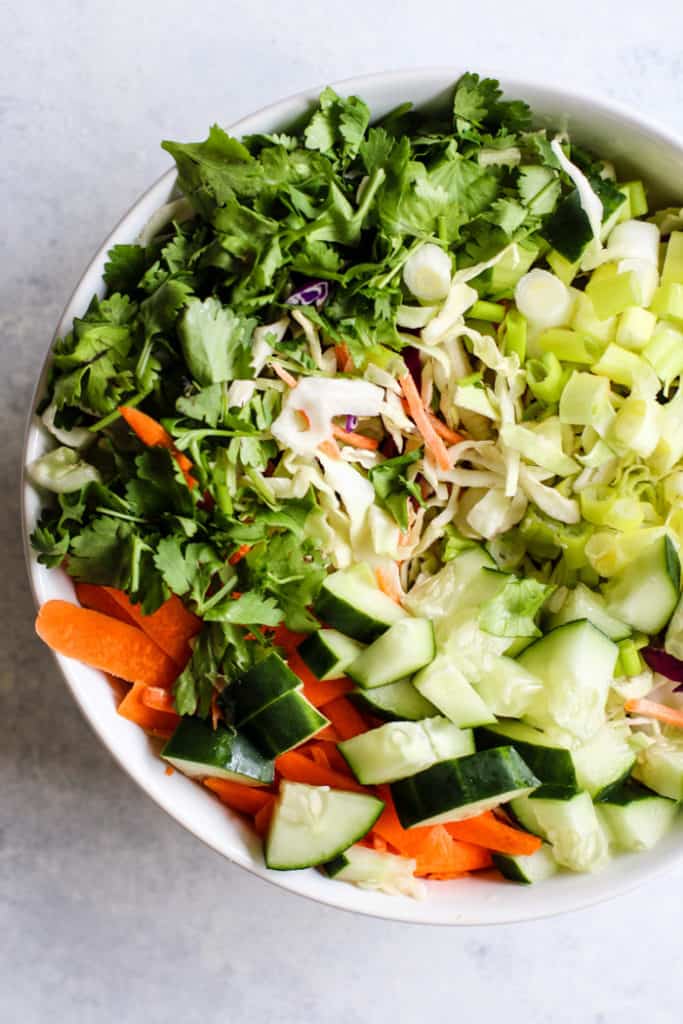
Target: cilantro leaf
{"x": 392, "y": 486}
{"x": 248, "y": 610}
{"x": 124, "y": 267}
{"x": 221, "y": 653}
{"x": 215, "y": 342}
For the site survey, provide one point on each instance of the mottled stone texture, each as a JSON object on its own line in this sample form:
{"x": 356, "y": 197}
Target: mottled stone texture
{"x": 109, "y": 912}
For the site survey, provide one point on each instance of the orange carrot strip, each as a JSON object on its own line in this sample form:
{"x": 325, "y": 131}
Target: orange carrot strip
{"x": 171, "y": 626}
{"x": 369, "y": 444}
{"x": 347, "y": 721}
{"x": 390, "y": 829}
{"x": 486, "y": 830}
{"x": 330, "y": 448}
{"x": 329, "y": 733}
{"x": 319, "y": 756}
{"x": 329, "y": 749}
{"x": 169, "y": 769}
{"x": 262, "y": 817}
{"x": 154, "y": 435}
{"x": 301, "y": 669}
{"x": 439, "y": 853}
{"x": 159, "y": 699}
{"x": 286, "y": 639}
{"x": 446, "y": 876}
{"x": 238, "y": 555}
{"x": 294, "y": 767}
{"x": 651, "y": 709}
{"x": 284, "y": 375}
{"x": 441, "y": 428}
{"x": 105, "y": 643}
{"x": 99, "y": 599}
{"x": 133, "y": 707}
{"x": 344, "y": 360}
{"x": 387, "y": 584}
{"x": 423, "y": 422}
{"x": 379, "y": 844}
{"x": 321, "y": 692}
{"x": 239, "y": 796}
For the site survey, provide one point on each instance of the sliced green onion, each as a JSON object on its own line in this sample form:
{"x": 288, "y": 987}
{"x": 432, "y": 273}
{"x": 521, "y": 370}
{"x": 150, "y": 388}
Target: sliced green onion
{"x": 585, "y": 402}
{"x": 622, "y": 366}
{"x": 636, "y": 327}
{"x": 647, "y": 276}
{"x": 637, "y": 199}
{"x": 491, "y": 311}
{"x": 546, "y": 378}
{"x": 585, "y": 320}
{"x": 612, "y": 294}
{"x": 636, "y": 426}
{"x": 415, "y": 317}
{"x": 634, "y": 239}
{"x": 569, "y": 346}
{"x": 664, "y": 353}
{"x": 62, "y": 471}
{"x": 667, "y": 301}
{"x": 475, "y": 398}
{"x": 514, "y": 335}
{"x": 629, "y": 663}
{"x": 603, "y": 506}
{"x": 543, "y": 299}
{"x": 561, "y": 267}
{"x": 672, "y": 271}
{"x": 538, "y": 449}
{"x": 427, "y": 273}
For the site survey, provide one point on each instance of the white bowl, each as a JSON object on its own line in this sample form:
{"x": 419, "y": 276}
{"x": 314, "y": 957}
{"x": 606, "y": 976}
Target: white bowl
{"x": 638, "y": 149}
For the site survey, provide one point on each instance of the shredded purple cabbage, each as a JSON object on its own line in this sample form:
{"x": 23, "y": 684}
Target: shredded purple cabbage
{"x": 315, "y": 293}
{"x": 411, "y": 357}
{"x": 665, "y": 664}
{"x": 351, "y": 424}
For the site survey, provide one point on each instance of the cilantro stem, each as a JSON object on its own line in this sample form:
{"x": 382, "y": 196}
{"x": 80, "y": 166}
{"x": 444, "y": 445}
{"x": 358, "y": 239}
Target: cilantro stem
{"x": 119, "y": 515}
{"x": 106, "y": 421}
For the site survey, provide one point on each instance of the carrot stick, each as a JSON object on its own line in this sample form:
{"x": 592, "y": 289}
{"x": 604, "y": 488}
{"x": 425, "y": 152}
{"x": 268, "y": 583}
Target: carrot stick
{"x": 369, "y": 444}
{"x": 154, "y": 435}
{"x": 651, "y": 709}
{"x": 439, "y": 853}
{"x": 329, "y": 750}
{"x": 330, "y": 448}
{"x": 440, "y": 427}
{"x": 152, "y": 720}
{"x": 159, "y": 699}
{"x": 329, "y": 733}
{"x": 387, "y": 584}
{"x": 286, "y": 639}
{"x": 262, "y": 817}
{"x": 319, "y": 756}
{"x": 486, "y": 830}
{"x": 321, "y": 692}
{"x": 239, "y": 796}
{"x": 238, "y": 555}
{"x": 284, "y": 375}
{"x": 294, "y": 767}
{"x": 105, "y": 643}
{"x": 423, "y": 422}
{"x": 344, "y": 359}
{"x": 98, "y": 599}
{"x": 347, "y": 721}
{"x": 171, "y": 626}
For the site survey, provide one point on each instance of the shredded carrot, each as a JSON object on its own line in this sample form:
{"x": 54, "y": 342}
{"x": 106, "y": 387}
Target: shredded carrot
{"x": 330, "y": 448}
{"x": 379, "y": 844}
{"x": 347, "y": 721}
{"x": 263, "y": 816}
{"x": 319, "y": 756}
{"x": 158, "y": 698}
{"x": 329, "y": 749}
{"x": 321, "y": 692}
{"x": 441, "y": 428}
{"x": 423, "y": 422}
{"x": 486, "y": 830}
{"x": 387, "y": 584}
{"x": 171, "y": 626}
{"x": 651, "y": 709}
{"x": 329, "y": 733}
{"x": 447, "y": 876}
{"x": 153, "y": 721}
{"x": 169, "y": 770}
{"x": 239, "y": 796}
{"x": 154, "y": 435}
{"x": 237, "y": 556}
{"x": 284, "y": 375}
{"x": 344, "y": 358}
{"x": 216, "y": 713}
{"x": 350, "y": 437}
{"x": 294, "y": 767}
{"x": 98, "y": 599}
{"x": 286, "y": 639}
{"x": 105, "y": 643}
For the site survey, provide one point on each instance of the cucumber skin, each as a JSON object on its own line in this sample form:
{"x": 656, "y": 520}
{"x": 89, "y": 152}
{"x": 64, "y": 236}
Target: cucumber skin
{"x": 364, "y": 699}
{"x": 273, "y": 731}
{"x": 423, "y": 796}
{"x": 195, "y": 740}
{"x": 264, "y": 683}
{"x": 552, "y": 765}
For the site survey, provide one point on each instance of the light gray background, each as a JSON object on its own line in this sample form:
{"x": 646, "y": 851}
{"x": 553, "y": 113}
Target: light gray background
{"x": 108, "y": 910}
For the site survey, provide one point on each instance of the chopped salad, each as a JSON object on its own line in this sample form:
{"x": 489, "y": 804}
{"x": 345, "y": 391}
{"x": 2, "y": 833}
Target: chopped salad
{"x": 368, "y": 470}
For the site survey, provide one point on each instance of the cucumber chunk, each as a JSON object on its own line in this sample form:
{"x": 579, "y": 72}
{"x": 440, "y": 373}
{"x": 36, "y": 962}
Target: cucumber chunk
{"x": 673, "y": 643}
{"x": 645, "y": 593}
{"x": 400, "y": 701}
{"x": 314, "y": 824}
{"x": 350, "y": 601}
{"x": 534, "y": 867}
{"x": 582, "y": 603}
{"x": 504, "y": 685}
{"x": 375, "y": 869}
{"x": 550, "y": 762}
{"x": 196, "y": 749}
{"x": 568, "y": 821}
{"x": 287, "y": 722}
{"x": 575, "y": 663}
{"x": 444, "y": 684}
{"x": 406, "y": 647}
{"x": 399, "y": 749}
{"x": 660, "y": 766}
{"x": 635, "y": 817}
{"x": 263, "y": 683}
{"x": 604, "y": 760}
{"x": 460, "y": 586}
{"x": 462, "y": 787}
{"x": 328, "y": 653}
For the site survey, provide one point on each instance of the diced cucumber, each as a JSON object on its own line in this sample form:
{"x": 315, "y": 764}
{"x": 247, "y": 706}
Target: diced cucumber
{"x": 673, "y": 643}
{"x": 635, "y": 817}
{"x": 313, "y": 824}
{"x": 534, "y": 867}
{"x": 462, "y": 787}
{"x": 328, "y": 653}
{"x": 645, "y": 593}
{"x": 404, "y": 648}
{"x": 660, "y": 766}
{"x": 504, "y": 685}
{"x": 551, "y": 763}
{"x": 458, "y": 587}
{"x": 263, "y": 683}
{"x": 568, "y": 821}
{"x": 375, "y": 869}
{"x": 350, "y": 601}
{"x": 444, "y": 685}
{"x": 582, "y": 603}
{"x": 196, "y": 749}
{"x": 399, "y": 749}
{"x": 287, "y": 722}
{"x": 399, "y": 701}
{"x": 575, "y": 663}
{"x": 604, "y": 760}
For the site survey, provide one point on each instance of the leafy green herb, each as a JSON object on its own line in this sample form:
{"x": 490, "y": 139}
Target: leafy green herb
{"x": 392, "y": 486}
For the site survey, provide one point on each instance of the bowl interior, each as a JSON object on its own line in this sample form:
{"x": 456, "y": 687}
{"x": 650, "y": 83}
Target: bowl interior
{"x": 637, "y": 149}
